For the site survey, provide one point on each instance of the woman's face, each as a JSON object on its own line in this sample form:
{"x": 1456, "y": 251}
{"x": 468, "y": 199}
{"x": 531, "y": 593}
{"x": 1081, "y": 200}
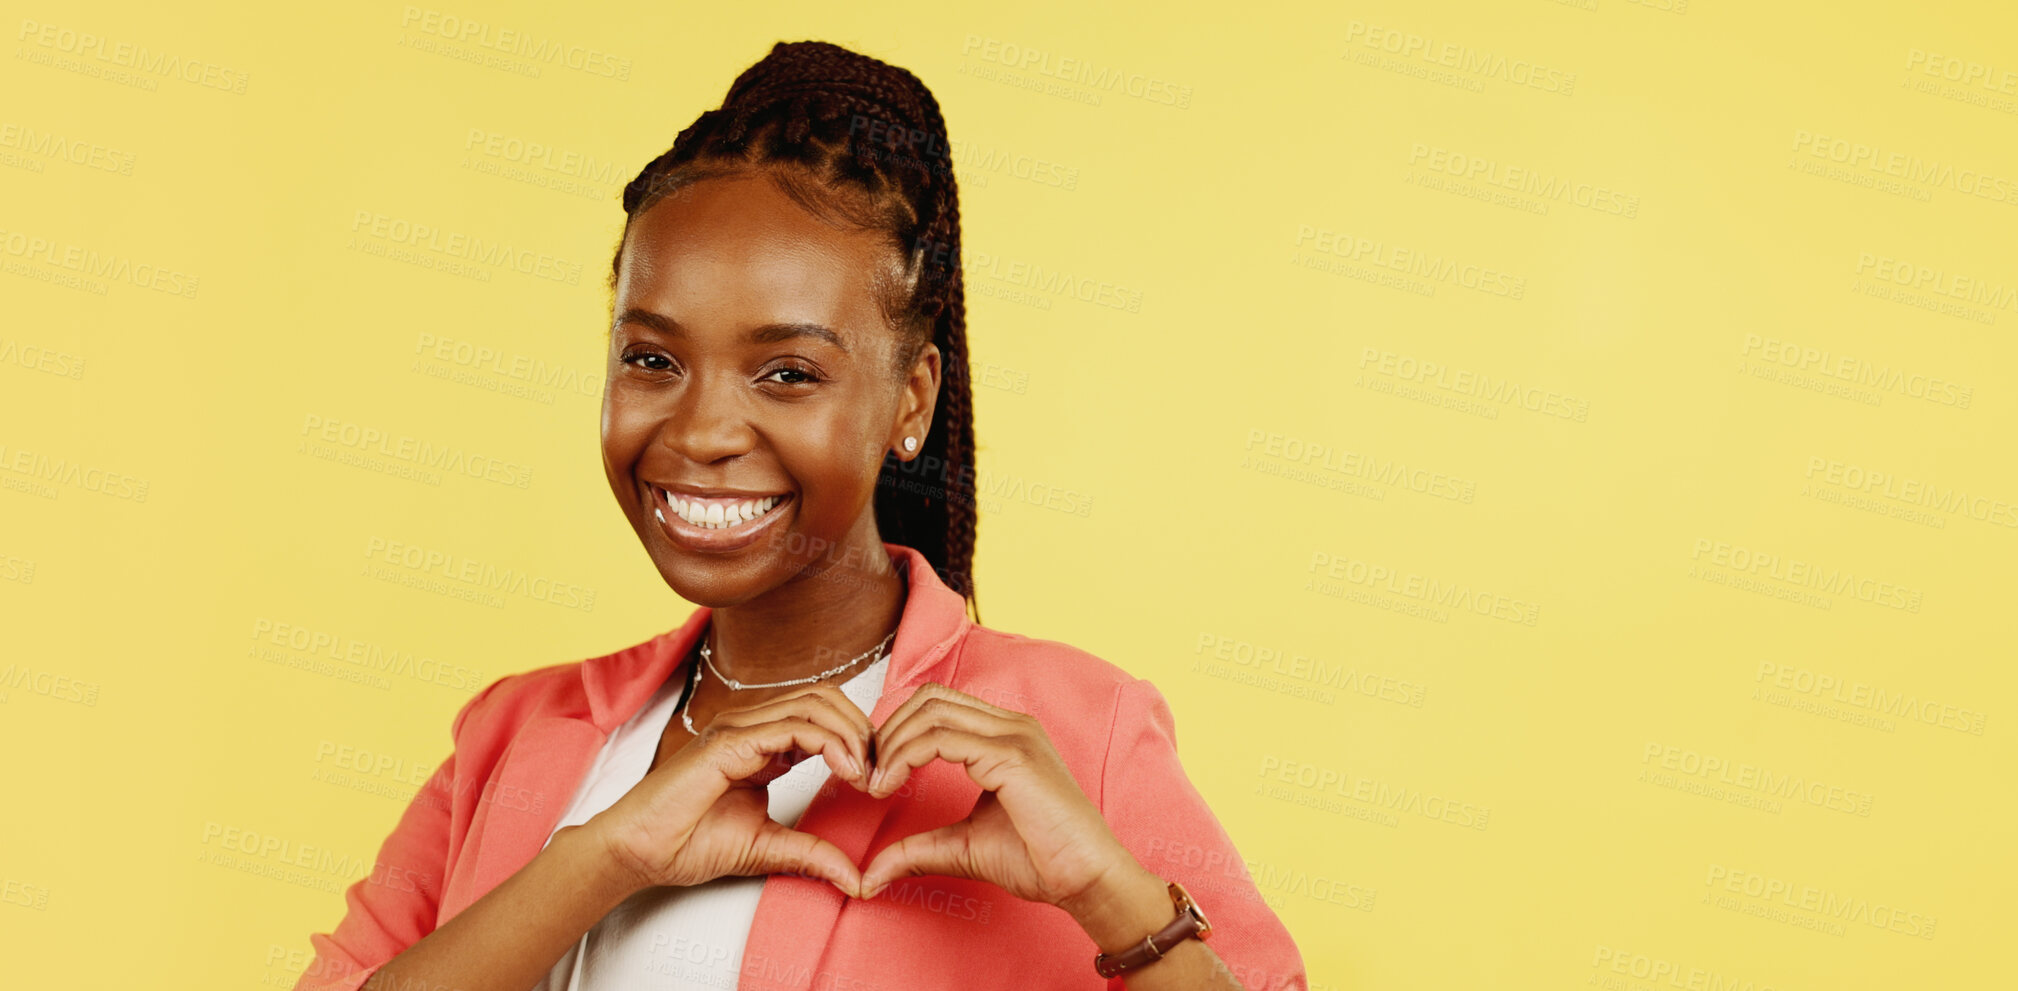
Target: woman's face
{"x": 750, "y": 372}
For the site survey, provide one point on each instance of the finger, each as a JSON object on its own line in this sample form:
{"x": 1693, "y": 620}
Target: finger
{"x": 812, "y": 706}
{"x": 935, "y": 690}
{"x": 946, "y": 707}
{"x": 779, "y": 849}
{"x": 935, "y": 714}
{"x": 741, "y": 752}
{"x": 823, "y": 704}
{"x": 825, "y": 695}
{"x": 943, "y": 851}
{"x": 924, "y": 693}
{"x": 987, "y": 758}
{"x": 830, "y": 699}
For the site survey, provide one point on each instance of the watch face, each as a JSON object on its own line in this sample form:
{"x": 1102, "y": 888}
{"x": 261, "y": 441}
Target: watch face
{"x": 1184, "y": 899}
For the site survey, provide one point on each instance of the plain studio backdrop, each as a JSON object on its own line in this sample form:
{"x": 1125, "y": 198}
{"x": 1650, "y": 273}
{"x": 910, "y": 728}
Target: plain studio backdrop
{"x": 1553, "y": 456}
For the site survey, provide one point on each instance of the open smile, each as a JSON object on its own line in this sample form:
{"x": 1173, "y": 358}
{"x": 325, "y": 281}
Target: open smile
{"x": 715, "y": 522}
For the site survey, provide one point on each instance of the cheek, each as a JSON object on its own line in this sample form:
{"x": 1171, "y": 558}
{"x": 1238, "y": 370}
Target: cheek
{"x": 834, "y": 457}
{"x": 624, "y": 434}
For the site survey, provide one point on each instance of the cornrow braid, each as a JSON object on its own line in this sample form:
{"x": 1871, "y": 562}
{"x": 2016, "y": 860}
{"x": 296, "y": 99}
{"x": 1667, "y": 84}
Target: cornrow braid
{"x": 853, "y": 137}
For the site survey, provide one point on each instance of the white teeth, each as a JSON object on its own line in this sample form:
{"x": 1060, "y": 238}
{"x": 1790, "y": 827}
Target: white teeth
{"x": 660, "y": 513}
{"x": 715, "y": 516}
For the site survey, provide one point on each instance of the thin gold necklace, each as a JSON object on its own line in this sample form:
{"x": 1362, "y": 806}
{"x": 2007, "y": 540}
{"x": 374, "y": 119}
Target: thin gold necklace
{"x": 694, "y": 677}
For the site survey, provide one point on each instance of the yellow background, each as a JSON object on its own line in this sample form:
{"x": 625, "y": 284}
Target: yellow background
{"x": 1596, "y": 799}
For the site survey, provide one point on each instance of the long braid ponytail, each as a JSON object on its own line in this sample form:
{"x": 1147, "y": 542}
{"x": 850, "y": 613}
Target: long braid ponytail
{"x": 852, "y": 136}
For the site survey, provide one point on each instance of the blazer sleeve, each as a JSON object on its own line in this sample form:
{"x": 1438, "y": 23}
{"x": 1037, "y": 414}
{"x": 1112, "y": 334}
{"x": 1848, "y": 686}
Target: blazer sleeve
{"x": 398, "y": 902}
{"x": 1156, "y": 813}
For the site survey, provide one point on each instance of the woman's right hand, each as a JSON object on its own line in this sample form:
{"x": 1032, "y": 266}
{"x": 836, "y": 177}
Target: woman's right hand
{"x": 705, "y": 812}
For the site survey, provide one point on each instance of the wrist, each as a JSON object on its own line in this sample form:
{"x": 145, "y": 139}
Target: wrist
{"x": 591, "y": 859}
{"x": 1124, "y": 905}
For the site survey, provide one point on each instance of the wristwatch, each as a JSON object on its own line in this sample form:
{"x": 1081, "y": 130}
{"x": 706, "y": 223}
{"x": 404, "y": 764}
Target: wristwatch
{"x": 1190, "y": 923}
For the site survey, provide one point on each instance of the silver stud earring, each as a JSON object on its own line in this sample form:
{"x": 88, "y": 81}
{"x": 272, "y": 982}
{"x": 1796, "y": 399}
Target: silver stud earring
{"x": 910, "y": 444}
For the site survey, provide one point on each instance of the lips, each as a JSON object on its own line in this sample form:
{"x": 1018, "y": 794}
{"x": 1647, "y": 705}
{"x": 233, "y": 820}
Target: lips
{"x": 716, "y": 522}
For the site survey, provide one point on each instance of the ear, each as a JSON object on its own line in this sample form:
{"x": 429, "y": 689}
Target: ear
{"x": 915, "y": 407}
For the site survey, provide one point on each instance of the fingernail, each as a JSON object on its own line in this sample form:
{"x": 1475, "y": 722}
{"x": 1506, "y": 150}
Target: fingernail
{"x": 876, "y": 780}
{"x": 855, "y": 767}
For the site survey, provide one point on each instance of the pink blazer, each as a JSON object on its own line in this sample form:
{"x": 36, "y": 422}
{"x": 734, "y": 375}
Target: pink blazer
{"x": 523, "y": 744}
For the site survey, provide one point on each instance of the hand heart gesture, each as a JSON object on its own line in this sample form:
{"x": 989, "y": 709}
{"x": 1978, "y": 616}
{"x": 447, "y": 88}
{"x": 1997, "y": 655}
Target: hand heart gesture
{"x": 704, "y": 813}
{"x": 1033, "y": 832}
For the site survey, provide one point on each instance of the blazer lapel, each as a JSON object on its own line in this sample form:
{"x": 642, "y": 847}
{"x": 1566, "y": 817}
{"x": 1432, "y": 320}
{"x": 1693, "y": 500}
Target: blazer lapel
{"x": 796, "y": 915}
{"x": 536, "y": 777}
{"x": 534, "y": 783}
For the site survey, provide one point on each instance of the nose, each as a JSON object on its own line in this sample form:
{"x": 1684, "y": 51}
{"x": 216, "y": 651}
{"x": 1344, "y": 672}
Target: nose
{"x": 708, "y": 423}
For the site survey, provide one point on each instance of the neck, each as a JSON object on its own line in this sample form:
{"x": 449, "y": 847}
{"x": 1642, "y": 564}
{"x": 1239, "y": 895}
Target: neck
{"x": 835, "y": 609}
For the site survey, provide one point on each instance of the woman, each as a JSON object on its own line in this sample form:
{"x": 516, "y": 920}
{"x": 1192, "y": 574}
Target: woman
{"x": 829, "y": 776}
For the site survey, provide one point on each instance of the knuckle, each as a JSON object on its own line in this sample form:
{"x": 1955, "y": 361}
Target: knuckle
{"x": 1021, "y": 749}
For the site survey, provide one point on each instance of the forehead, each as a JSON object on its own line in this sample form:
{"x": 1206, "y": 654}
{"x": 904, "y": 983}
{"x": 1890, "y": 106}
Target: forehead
{"x": 740, "y": 250}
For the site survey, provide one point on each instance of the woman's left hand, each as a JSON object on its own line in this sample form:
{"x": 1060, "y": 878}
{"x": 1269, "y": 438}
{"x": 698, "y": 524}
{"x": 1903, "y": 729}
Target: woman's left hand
{"x": 1033, "y": 833}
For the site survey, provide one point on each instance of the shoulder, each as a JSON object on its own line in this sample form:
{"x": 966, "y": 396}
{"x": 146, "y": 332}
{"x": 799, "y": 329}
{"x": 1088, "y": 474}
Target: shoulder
{"x": 520, "y": 695}
{"x": 1031, "y": 672}
{"x": 556, "y": 690}
{"x": 1088, "y": 705}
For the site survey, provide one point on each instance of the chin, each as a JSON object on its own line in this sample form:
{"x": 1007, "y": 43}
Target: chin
{"x": 714, "y": 583}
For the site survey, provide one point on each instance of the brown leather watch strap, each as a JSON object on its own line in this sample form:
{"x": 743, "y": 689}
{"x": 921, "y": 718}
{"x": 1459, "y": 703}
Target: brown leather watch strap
{"x": 1190, "y": 923}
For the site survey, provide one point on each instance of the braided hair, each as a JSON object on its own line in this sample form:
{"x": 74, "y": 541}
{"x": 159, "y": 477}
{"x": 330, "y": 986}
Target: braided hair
{"x": 849, "y": 136}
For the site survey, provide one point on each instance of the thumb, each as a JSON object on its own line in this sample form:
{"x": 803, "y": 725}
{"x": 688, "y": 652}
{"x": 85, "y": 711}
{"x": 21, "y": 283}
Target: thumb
{"x": 778, "y": 849}
{"x": 942, "y": 851}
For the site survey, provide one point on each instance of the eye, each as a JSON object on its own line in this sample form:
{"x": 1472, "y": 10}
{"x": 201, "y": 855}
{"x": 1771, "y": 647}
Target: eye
{"x": 806, "y": 376}
{"x": 648, "y": 360}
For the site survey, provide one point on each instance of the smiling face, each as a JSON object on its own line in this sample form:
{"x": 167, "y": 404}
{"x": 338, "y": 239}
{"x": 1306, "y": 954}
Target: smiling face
{"x": 752, "y": 389}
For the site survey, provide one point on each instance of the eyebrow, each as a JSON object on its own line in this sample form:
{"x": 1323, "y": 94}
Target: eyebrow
{"x": 769, "y": 333}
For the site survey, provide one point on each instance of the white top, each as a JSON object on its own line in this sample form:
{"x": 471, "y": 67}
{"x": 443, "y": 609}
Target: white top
{"x": 676, "y": 939}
